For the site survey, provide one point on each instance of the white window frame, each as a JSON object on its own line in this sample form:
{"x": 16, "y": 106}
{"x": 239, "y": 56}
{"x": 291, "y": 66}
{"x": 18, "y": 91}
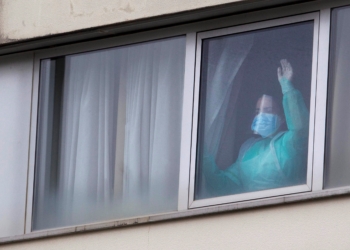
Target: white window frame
{"x": 271, "y": 192}
{"x": 320, "y": 12}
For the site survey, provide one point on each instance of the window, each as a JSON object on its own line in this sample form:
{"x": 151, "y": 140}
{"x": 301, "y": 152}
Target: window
{"x": 253, "y": 122}
{"x": 109, "y": 129}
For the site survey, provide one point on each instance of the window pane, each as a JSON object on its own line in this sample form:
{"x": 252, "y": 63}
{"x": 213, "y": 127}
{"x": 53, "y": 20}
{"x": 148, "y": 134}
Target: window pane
{"x": 15, "y": 108}
{"x": 337, "y": 164}
{"x": 253, "y": 121}
{"x": 109, "y": 134}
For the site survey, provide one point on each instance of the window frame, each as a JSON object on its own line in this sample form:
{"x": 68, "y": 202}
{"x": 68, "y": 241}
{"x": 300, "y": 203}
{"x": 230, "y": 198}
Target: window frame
{"x": 236, "y": 30}
{"x": 185, "y": 207}
{"x": 71, "y": 50}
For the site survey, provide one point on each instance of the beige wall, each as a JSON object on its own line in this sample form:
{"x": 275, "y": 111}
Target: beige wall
{"x": 36, "y": 18}
{"x": 322, "y": 224}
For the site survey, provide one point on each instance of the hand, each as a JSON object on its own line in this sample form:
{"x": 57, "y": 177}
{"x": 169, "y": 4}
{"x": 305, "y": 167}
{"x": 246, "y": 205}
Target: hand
{"x": 286, "y": 73}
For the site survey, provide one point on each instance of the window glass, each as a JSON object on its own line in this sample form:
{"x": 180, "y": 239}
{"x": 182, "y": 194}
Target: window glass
{"x": 109, "y": 129}
{"x": 15, "y": 103}
{"x": 254, "y": 110}
{"x": 337, "y": 170}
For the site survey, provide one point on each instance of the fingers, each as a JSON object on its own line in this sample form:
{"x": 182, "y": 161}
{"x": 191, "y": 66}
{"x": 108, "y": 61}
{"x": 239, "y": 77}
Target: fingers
{"x": 285, "y": 70}
{"x": 279, "y": 73}
{"x": 285, "y": 65}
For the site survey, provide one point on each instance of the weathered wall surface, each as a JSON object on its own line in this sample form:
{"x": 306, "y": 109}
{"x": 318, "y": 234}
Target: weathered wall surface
{"x": 36, "y": 18}
{"x": 322, "y": 224}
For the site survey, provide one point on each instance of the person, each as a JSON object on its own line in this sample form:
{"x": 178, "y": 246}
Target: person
{"x": 273, "y": 158}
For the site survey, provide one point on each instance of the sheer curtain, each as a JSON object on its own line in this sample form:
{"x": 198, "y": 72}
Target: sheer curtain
{"x": 119, "y": 144}
{"x": 87, "y": 155}
{"x": 225, "y": 56}
{"x": 221, "y": 82}
{"x": 153, "y": 118}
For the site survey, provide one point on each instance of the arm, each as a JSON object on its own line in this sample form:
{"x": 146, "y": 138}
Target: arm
{"x": 291, "y": 148}
{"x": 296, "y": 113}
{"x": 297, "y": 118}
{"x": 220, "y": 182}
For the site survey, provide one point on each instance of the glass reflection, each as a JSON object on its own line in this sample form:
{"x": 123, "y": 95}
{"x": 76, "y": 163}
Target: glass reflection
{"x": 241, "y": 150}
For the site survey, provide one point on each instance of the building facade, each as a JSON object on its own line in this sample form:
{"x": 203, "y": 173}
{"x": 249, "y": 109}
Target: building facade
{"x": 128, "y": 124}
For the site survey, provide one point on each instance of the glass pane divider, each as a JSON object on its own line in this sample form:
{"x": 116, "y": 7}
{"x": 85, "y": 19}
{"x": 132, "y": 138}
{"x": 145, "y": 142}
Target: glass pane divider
{"x": 321, "y": 100}
{"x": 195, "y": 121}
{"x": 185, "y": 156}
{"x": 32, "y": 148}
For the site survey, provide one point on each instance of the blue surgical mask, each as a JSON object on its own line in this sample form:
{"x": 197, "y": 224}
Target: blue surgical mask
{"x": 266, "y": 124}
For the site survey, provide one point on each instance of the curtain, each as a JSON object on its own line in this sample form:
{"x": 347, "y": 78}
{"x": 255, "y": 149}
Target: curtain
{"x": 153, "y": 119}
{"x": 225, "y": 56}
{"x": 87, "y": 155}
{"x": 221, "y": 82}
{"x": 127, "y": 99}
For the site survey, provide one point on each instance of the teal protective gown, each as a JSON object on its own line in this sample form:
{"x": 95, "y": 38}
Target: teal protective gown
{"x": 266, "y": 163}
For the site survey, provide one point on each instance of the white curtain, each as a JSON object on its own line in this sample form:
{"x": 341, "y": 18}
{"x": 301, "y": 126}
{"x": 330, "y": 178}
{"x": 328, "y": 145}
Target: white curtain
{"x": 225, "y": 57}
{"x": 86, "y": 158}
{"x": 146, "y": 82}
{"x": 153, "y": 115}
{"x": 220, "y": 83}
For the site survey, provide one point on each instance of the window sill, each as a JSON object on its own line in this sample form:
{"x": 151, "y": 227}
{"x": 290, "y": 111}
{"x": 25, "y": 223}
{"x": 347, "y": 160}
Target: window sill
{"x": 179, "y": 214}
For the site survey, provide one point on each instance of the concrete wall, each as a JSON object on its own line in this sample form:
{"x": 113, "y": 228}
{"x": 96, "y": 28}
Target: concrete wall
{"x": 36, "y": 18}
{"x": 322, "y": 224}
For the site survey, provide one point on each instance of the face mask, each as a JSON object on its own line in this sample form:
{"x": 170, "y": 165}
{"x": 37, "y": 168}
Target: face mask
{"x": 266, "y": 124}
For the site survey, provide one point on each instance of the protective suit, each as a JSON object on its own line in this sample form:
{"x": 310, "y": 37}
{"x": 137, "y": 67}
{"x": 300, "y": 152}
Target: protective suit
{"x": 265, "y": 163}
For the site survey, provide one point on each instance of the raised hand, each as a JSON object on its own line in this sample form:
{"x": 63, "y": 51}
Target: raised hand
{"x": 286, "y": 72}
